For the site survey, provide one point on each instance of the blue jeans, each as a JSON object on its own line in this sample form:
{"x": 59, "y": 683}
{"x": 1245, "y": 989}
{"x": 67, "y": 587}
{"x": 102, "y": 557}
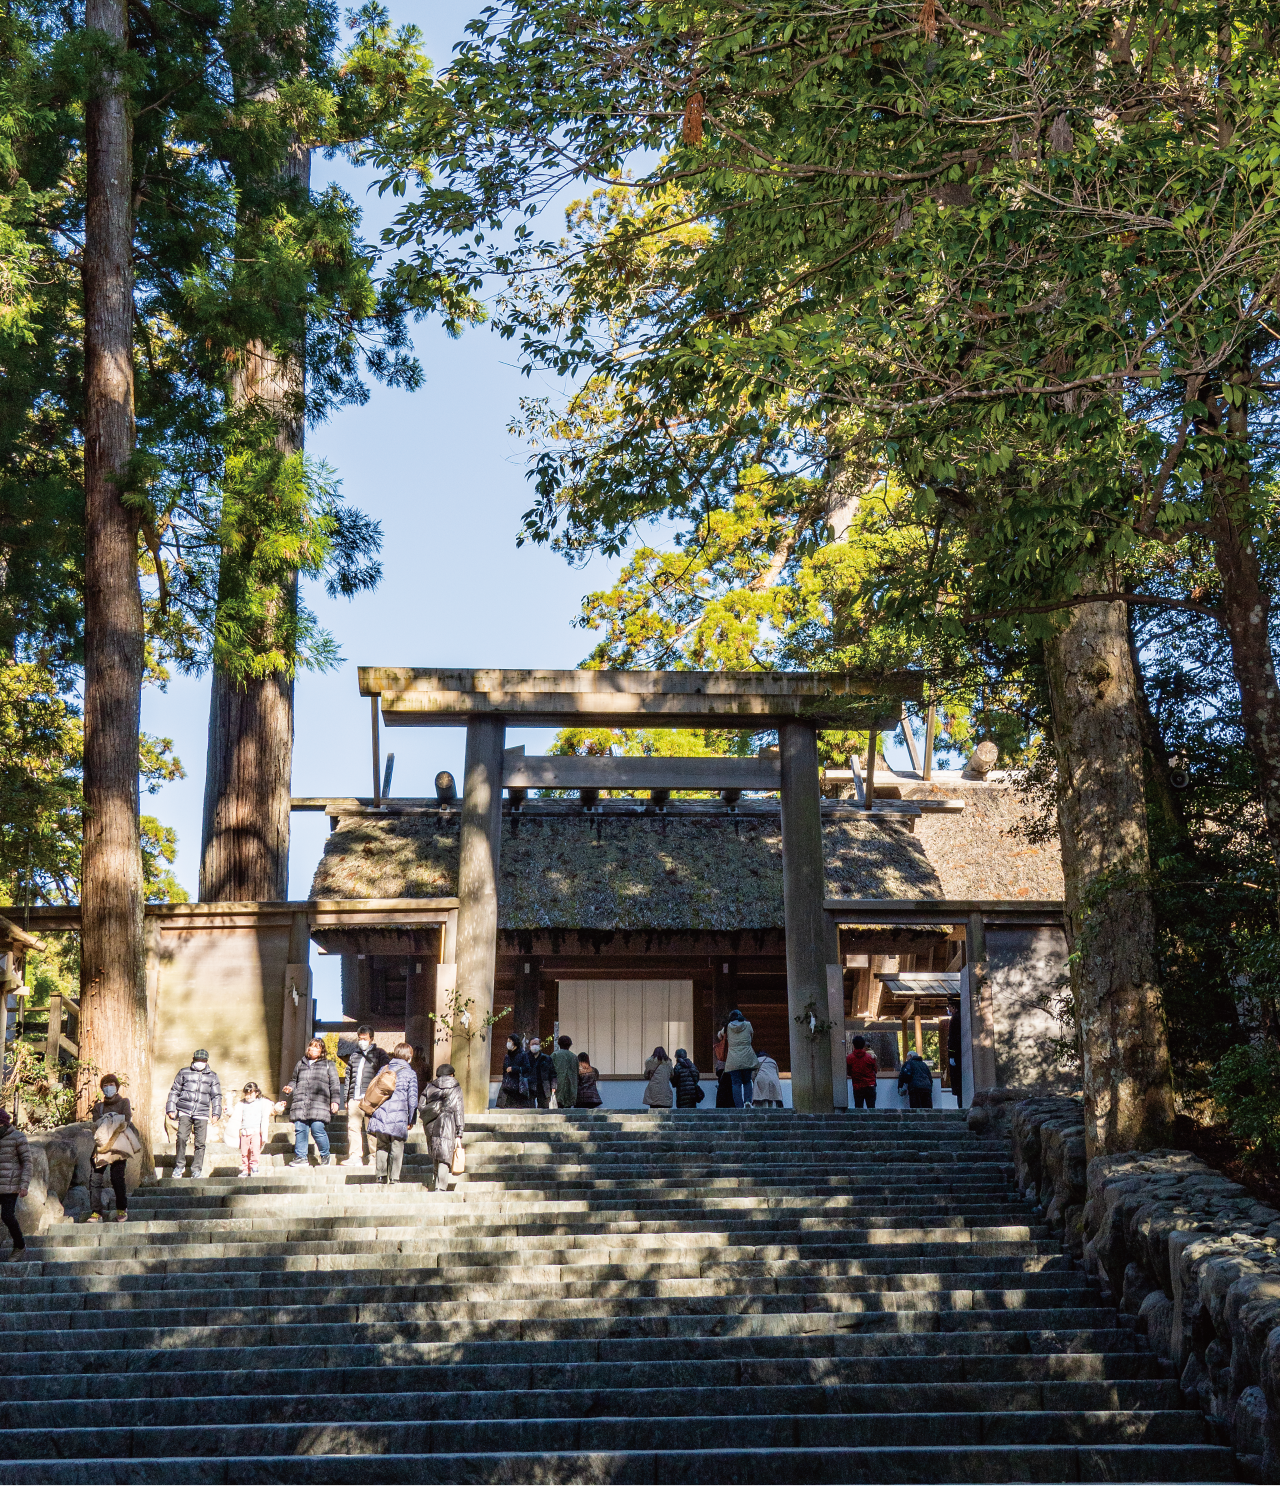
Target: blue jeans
{"x": 318, "y": 1128}
{"x": 740, "y": 1081}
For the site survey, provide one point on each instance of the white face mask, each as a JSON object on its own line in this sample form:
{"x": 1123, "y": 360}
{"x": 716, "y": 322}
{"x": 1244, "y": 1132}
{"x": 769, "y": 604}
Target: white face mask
{"x": 109, "y": 1090}
{"x": 364, "y": 1045}
{"x": 199, "y": 1067}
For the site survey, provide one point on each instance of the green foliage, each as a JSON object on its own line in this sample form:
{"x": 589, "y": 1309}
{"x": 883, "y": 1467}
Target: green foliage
{"x": 1246, "y": 1083}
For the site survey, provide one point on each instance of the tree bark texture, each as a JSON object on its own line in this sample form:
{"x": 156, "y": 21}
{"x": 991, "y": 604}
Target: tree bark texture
{"x": 1128, "y": 1091}
{"x": 479, "y": 845}
{"x": 1163, "y": 803}
{"x": 1246, "y": 614}
{"x": 249, "y": 767}
{"x": 113, "y": 1024}
{"x": 807, "y": 927}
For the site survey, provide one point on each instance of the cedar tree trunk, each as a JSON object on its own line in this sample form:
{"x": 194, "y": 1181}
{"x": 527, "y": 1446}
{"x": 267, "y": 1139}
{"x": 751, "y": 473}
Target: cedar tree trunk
{"x": 1102, "y": 822}
{"x": 113, "y": 1025}
{"x": 245, "y": 840}
{"x": 1246, "y": 615}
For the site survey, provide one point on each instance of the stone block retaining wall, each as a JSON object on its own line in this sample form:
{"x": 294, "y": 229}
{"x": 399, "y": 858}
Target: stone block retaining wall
{"x": 1186, "y": 1251}
{"x": 60, "y": 1171}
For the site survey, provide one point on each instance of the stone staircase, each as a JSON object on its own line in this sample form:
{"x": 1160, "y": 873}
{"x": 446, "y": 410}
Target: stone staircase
{"x": 743, "y": 1296}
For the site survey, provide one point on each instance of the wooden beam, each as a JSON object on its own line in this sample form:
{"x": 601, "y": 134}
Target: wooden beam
{"x": 418, "y": 697}
{"x": 377, "y": 748}
{"x": 577, "y": 772}
{"x": 869, "y": 795}
{"x": 909, "y": 738}
{"x": 930, "y": 724}
{"x": 803, "y": 881}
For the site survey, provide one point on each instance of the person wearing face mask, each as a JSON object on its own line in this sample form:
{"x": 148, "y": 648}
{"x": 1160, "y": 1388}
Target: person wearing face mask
{"x": 313, "y": 1100}
{"x": 509, "y": 1091}
{"x": 109, "y": 1159}
{"x": 363, "y": 1058}
{"x": 537, "y": 1073}
{"x": 194, "y": 1100}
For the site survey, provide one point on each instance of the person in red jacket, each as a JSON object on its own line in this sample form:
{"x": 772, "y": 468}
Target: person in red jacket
{"x": 861, "y": 1063}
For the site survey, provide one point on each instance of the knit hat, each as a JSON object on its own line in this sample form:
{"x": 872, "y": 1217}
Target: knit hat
{"x": 201, "y": 1055}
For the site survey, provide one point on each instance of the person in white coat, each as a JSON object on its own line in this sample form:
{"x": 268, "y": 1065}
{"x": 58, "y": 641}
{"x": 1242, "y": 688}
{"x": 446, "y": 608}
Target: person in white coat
{"x": 250, "y": 1122}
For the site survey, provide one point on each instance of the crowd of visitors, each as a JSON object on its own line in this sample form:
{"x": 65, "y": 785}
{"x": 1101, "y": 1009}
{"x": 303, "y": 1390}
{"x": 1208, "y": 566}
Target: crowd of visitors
{"x": 383, "y": 1102}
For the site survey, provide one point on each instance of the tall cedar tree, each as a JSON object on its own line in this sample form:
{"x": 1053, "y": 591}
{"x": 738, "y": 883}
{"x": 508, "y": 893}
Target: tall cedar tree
{"x": 1024, "y": 246}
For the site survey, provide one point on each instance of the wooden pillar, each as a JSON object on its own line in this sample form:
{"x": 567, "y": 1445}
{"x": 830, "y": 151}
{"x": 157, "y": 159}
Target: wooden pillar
{"x": 930, "y": 726}
{"x": 724, "y": 993}
{"x": 980, "y": 1012}
{"x": 420, "y": 1003}
{"x": 528, "y": 996}
{"x": 944, "y": 1048}
{"x": 803, "y": 892}
{"x": 481, "y": 836}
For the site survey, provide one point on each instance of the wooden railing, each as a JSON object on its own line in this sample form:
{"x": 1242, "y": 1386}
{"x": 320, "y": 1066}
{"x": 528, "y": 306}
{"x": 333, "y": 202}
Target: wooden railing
{"x": 57, "y": 1041}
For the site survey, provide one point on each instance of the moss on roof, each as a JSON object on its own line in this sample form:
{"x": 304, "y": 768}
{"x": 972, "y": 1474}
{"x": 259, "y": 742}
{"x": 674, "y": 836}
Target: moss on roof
{"x": 985, "y": 851}
{"x": 622, "y": 872}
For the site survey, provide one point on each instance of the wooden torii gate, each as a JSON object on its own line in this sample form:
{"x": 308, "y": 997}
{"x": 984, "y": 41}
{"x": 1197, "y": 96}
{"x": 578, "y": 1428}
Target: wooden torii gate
{"x": 797, "y": 704}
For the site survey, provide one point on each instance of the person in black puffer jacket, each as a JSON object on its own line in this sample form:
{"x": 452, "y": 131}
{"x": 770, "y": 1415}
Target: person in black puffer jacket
{"x": 313, "y": 1101}
{"x": 194, "y": 1099}
{"x": 685, "y": 1080}
{"x": 446, "y": 1130}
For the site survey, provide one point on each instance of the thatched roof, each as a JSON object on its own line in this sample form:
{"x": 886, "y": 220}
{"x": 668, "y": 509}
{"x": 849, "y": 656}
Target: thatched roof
{"x": 984, "y": 851}
{"x": 712, "y": 872}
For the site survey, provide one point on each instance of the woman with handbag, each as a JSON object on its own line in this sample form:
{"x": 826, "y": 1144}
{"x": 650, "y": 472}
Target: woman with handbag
{"x": 114, "y": 1141}
{"x": 658, "y": 1070}
{"x": 444, "y": 1120}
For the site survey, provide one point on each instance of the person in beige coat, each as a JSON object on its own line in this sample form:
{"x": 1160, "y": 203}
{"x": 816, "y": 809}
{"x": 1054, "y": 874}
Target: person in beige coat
{"x": 740, "y": 1063}
{"x": 658, "y": 1070}
{"x": 112, "y": 1147}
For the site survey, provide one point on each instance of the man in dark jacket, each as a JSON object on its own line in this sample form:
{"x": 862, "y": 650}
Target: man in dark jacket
{"x": 313, "y": 1101}
{"x": 917, "y": 1078}
{"x": 539, "y": 1071}
{"x": 685, "y": 1080}
{"x": 363, "y": 1058}
{"x": 194, "y": 1099}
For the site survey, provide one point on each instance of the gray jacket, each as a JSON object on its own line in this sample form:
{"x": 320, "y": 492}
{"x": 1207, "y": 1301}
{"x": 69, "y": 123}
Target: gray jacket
{"x": 445, "y": 1132}
{"x": 195, "y": 1092}
{"x": 15, "y": 1161}
{"x": 316, "y": 1088}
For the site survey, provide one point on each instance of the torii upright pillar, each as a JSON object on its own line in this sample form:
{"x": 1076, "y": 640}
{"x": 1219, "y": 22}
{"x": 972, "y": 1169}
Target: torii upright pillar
{"x": 481, "y": 839}
{"x": 803, "y": 895}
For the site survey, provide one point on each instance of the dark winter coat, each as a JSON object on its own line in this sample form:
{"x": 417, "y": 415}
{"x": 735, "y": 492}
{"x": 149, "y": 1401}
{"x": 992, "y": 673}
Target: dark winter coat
{"x": 915, "y": 1074}
{"x": 588, "y": 1092}
{"x": 360, "y": 1066}
{"x": 444, "y": 1132}
{"x": 685, "y": 1083}
{"x": 196, "y": 1093}
{"x": 15, "y": 1160}
{"x": 316, "y": 1088}
{"x": 509, "y": 1095}
{"x": 541, "y": 1074}
{"x": 396, "y": 1114}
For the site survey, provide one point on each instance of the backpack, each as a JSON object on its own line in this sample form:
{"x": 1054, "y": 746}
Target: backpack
{"x": 380, "y": 1089}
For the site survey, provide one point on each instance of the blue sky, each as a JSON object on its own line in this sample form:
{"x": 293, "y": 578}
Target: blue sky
{"x": 438, "y": 469}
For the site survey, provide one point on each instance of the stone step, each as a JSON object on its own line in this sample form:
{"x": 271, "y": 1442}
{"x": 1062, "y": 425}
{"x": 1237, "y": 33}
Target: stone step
{"x": 612, "y": 1433}
{"x": 579, "y": 1364}
{"x": 557, "y": 1318}
{"x": 101, "y": 1293}
{"x": 740, "y": 1334}
{"x": 436, "y": 1301}
{"x": 890, "y": 1463}
{"x": 538, "y": 1403}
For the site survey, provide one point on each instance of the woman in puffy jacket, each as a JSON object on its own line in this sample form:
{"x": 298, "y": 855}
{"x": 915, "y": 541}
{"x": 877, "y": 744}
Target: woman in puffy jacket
{"x": 391, "y": 1122}
{"x": 686, "y": 1081}
{"x": 588, "y": 1084}
{"x": 15, "y": 1179}
{"x": 741, "y": 1059}
{"x": 444, "y": 1133}
{"x": 658, "y": 1071}
{"x": 313, "y": 1094}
